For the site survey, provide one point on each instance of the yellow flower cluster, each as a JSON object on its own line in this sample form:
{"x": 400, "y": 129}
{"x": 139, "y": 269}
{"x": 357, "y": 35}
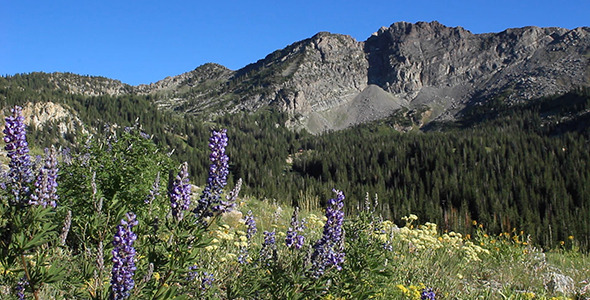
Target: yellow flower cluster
{"x": 224, "y": 237}
{"x": 314, "y": 221}
{"x": 412, "y": 291}
{"x": 426, "y": 237}
{"x": 332, "y": 297}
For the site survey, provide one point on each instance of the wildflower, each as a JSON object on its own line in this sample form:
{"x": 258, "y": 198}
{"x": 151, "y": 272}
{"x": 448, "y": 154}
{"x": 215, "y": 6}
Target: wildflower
{"x": 123, "y": 258}
{"x": 150, "y": 272}
{"x": 427, "y": 294}
{"x": 46, "y": 184}
{"x": 233, "y": 194}
{"x": 206, "y": 280}
{"x": 154, "y": 191}
{"x": 269, "y": 247}
{"x": 192, "y": 274}
{"x": 20, "y": 288}
{"x": 17, "y": 150}
{"x": 180, "y": 192}
{"x": 251, "y": 224}
{"x": 66, "y": 228}
{"x": 294, "y": 238}
{"x": 329, "y": 249}
{"x": 210, "y": 202}
{"x": 277, "y": 215}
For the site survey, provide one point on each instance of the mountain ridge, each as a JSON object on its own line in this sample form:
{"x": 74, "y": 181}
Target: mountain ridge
{"x": 418, "y": 65}
{"x": 332, "y": 81}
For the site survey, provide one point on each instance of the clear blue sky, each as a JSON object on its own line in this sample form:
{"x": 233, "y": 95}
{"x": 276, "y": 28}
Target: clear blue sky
{"x": 145, "y": 41}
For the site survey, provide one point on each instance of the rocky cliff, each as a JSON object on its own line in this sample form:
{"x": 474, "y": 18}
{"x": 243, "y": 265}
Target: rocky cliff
{"x": 331, "y": 81}
{"x": 430, "y": 64}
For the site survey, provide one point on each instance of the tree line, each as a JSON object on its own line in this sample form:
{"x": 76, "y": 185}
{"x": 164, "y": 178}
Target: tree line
{"x": 521, "y": 166}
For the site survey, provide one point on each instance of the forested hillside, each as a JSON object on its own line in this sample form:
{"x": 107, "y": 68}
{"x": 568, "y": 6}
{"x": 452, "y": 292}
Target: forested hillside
{"x": 523, "y": 166}
{"x": 519, "y": 166}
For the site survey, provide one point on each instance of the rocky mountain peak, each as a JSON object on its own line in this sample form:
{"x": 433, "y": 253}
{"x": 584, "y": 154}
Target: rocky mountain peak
{"x": 331, "y": 81}
{"x": 447, "y": 68}
{"x": 201, "y": 74}
{"x": 423, "y": 29}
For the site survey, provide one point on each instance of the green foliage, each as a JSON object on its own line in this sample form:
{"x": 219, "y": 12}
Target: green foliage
{"x": 108, "y": 177}
{"x": 507, "y": 165}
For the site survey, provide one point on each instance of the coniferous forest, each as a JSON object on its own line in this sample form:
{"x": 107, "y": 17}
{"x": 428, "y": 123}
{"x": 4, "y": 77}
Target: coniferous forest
{"x": 519, "y": 166}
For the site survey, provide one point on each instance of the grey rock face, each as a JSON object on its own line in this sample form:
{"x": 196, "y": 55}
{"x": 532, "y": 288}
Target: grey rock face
{"x": 331, "y": 81}
{"x": 88, "y": 85}
{"x": 559, "y": 283}
{"x": 411, "y": 60}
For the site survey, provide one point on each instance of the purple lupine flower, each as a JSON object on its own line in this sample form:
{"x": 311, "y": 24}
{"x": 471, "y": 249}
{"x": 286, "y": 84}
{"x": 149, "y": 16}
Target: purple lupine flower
{"x": 20, "y": 288}
{"x": 251, "y": 225}
{"x": 427, "y": 294}
{"x": 233, "y": 194}
{"x": 205, "y": 277}
{"x": 4, "y": 179}
{"x": 17, "y": 150}
{"x": 65, "y": 228}
{"x": 192, "y": 274}
{"x": 66, "y": 156}
{"x": 154, "y": 191}
{"x": 269, "y": 247}
{"x": 210, "y": 202}
{"x": 206, "y": 280}
{"x": 46, "y": 184}
{"x": 123, "y": 258}
{"x": 294, "y": 238}
{"x": 329, "y": 249}
{"x": 180, "y": 193}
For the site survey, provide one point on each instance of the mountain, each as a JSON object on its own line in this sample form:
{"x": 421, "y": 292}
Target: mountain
{"x": 424, "y": 71}
{"x": 504, "y": 119}
{"x": 331, "y": 81}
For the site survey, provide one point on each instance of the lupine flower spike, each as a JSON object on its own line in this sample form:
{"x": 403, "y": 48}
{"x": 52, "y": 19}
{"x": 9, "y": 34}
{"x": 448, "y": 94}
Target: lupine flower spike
{"x": 180, "y": 193}
{"x": 20, "y": 288}
{"x": 251, "y": 225}
{"x": 269, "y": 247}
{"x": 123, "y": 258}
{"x": 207, "y": 280}
{"x": 210, "y": 202}
{"x": 46, "y": 183}
{"x": 329, "y": 250}
{"x": 65, "y": 228}
{"x": 17, "y": 148}
{"x": 154, "y": 191}
{"x": 294, "y": 238}
{"x": 233, "y": 194}
{"x": 427, "y": 294}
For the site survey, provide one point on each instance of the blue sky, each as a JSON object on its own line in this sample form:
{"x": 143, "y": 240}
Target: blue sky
{"x": 145, "y": 41}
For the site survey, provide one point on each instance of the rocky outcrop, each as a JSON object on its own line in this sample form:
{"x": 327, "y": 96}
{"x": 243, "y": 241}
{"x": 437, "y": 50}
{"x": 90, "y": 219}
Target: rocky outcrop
{"x": 199, "y": 76}
{"x": 88, "y": 85}
{"x": 62, "y": 119}
{"x": 331, "y": 81}
{"x": 430, "y": 64}
{"x": 333, "y": 69}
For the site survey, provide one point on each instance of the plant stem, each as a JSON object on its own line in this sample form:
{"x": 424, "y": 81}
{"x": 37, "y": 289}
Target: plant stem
{"x": 28, "y": 276}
